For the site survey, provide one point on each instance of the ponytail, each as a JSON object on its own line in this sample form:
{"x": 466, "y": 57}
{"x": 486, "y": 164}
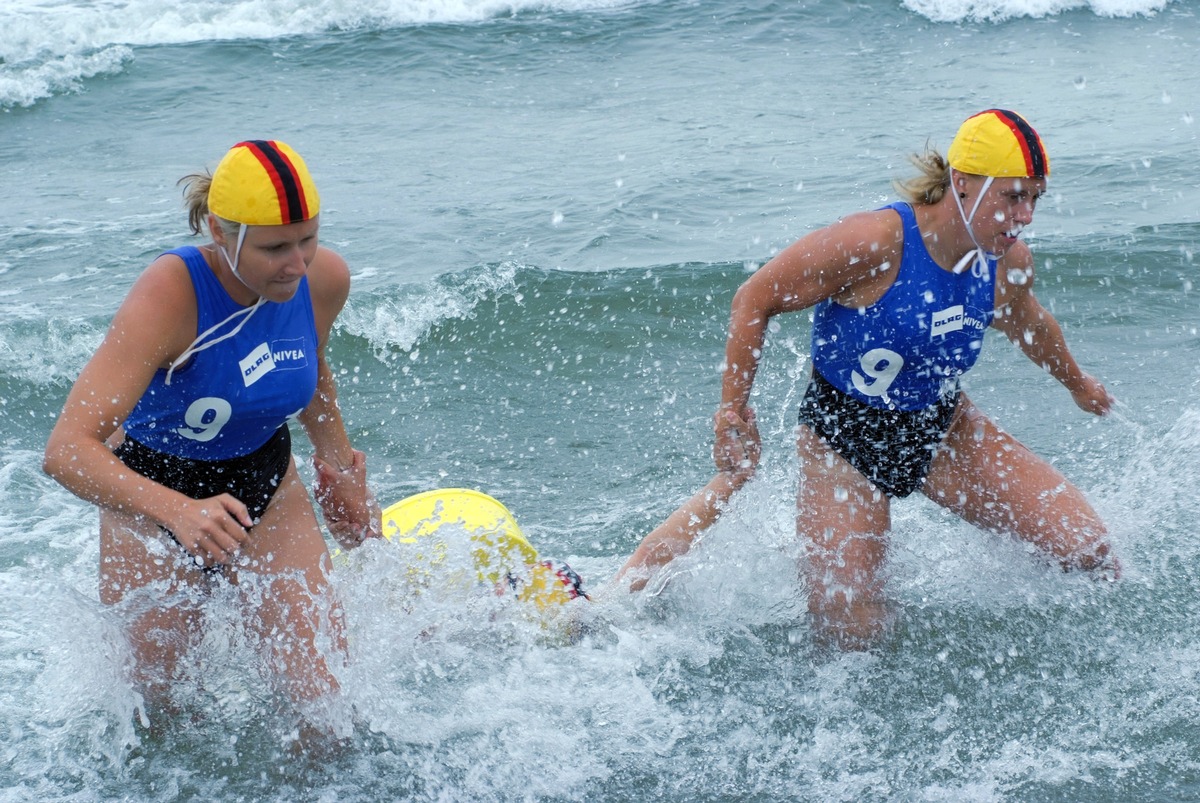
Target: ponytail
{"x": 931, "y": 183}
{"x": 195, "y": 199}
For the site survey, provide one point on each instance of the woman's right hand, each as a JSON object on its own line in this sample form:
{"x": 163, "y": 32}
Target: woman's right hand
{"x": 736, "y": 445}
{"x": 1091, "y": 396}
{"x": 212, "y": 530}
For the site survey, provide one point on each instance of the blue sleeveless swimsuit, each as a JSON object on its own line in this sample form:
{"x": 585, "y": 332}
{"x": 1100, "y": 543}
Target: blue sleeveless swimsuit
{"x": 228, "y": 400}
{"x": 885, "y": 378}
{"x": 220, "y": 426}
{"x": 907, "y": 350}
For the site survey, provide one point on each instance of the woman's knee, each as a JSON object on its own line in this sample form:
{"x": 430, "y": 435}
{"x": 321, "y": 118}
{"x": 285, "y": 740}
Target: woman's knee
{"x": 1078, "y": 537}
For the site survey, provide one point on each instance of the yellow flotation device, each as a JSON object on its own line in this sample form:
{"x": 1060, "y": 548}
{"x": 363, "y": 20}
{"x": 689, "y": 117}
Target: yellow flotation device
{"x": 502, "y": 557}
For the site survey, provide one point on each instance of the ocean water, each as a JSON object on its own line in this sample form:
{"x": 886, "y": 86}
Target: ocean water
{"x": 547, "y": 207}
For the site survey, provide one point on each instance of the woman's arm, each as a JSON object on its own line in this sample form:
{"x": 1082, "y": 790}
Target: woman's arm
{"x": 149, "y": 330}
{"x": 674, "y": 537}
{"x": 1029, "y": 325}
{"x": 341, "y": 490}
{"x": 848, "y": 261}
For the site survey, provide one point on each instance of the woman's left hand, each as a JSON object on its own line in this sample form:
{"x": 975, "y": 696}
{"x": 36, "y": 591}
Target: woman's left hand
{"x": 351, "y": 512}
{"x": 1092, "y": 396}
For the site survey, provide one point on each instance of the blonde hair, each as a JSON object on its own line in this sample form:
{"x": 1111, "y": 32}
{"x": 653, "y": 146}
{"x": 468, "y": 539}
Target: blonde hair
{"x": 930, "y": 184}
{"x": 195, "y": 200}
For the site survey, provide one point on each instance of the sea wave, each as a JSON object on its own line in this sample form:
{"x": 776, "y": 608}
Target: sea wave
{"x": 390, "y": 323}
{"x": 50, "y": 47}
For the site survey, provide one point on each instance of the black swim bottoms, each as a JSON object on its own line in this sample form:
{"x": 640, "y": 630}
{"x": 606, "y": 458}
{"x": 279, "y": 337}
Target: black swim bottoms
{"x": 891, "y": 448}
{"x": 252, "y": 479}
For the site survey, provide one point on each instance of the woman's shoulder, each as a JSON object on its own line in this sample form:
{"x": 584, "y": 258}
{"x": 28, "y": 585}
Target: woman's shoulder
{"x": 876, "y": 227}
{"x": 867, "y": 239}
{"x": 328, "y": 273}
{"x": 328, "y": 287}
{"x": 160, "y": 308}
{"x": 166, "y": 280}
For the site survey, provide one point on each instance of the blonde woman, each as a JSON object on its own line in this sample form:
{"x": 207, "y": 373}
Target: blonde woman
{"x": 177, "y": 427}
{"x": 901, "y": 297}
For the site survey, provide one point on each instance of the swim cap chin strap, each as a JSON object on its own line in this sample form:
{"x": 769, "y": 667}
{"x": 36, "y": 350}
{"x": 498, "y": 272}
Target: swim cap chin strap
{"x": 198, "y": 344}
{"x": 980, "y": 254}
{"x": 237, "y": 254}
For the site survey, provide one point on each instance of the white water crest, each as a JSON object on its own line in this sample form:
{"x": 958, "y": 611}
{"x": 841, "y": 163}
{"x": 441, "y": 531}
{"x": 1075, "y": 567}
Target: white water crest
{"x": 1001, "y": 10}
{"x": 53, "y": 46}
{"x": 50, "y": 47}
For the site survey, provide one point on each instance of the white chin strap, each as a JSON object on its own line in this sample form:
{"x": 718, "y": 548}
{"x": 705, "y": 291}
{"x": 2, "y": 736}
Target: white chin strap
{"x": 242, "y": 228}
{"x": 198, "y": 344}
{"x": 980, "y": 254}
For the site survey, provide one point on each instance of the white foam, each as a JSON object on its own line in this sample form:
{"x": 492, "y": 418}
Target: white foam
{"x": 1001, "y": 10}
{"x": 404, "y": 323}
{"x": 49, "y": 46}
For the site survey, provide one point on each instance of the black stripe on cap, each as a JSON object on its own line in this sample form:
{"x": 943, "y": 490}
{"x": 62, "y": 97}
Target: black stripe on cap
{"x": 1031, "y": 143}
{"x": 292, "y": 208}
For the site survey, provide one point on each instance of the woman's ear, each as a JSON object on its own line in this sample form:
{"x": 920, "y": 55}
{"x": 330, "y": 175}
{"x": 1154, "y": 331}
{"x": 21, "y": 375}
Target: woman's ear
{"x": 214, "y": 228}
{"x": 960, "y": 184}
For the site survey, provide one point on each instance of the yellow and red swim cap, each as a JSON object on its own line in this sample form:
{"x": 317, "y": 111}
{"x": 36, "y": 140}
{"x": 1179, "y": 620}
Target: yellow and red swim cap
{"x": 263, "y": 183}
{"x": 1001, "y": 144}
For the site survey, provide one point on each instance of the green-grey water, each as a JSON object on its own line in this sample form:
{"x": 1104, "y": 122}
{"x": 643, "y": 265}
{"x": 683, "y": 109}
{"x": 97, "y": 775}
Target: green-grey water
{"x": 547, "y": 209}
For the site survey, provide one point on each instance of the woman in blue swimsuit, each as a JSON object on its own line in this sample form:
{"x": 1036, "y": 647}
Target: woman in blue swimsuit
{"x": 177, "y": 427}
{"x": 901, "y": 298}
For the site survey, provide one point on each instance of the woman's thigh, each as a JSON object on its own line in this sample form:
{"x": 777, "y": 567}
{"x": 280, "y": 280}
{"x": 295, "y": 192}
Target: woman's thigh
{"x": 287, "y": 539}
{"x": 842, "y": 518}
{"x": 284, "y": 573}
{"x": 136, "y": 553}
{"x": 159, "y": 589}
{"x": 993, "y": 481}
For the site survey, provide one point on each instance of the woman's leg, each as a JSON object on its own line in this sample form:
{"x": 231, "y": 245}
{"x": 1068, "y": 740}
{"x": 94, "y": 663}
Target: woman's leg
{"x": 296, "y": 615}
{"x": 844, "y": 520}
{"x": 990, "y": 479}
{"x": 151, "y": 577}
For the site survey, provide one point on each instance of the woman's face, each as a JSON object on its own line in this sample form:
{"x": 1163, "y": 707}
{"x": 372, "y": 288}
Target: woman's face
{"x": 1006, "y": 208}
{"x": 273, "y": 259}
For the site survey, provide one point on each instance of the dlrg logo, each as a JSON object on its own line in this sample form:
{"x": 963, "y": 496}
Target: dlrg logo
{"x": 256, "y": 364}
{"x": 946, "y": 321}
